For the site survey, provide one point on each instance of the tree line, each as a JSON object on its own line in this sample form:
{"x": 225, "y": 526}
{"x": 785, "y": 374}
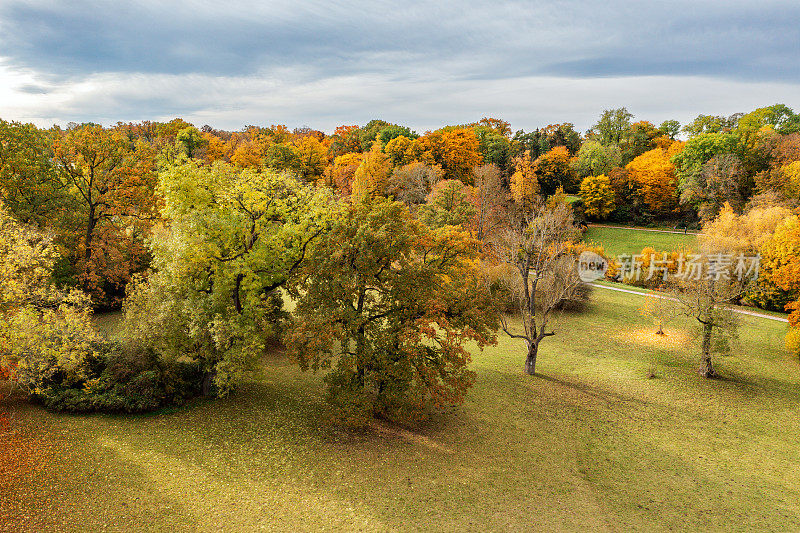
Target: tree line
{"x": 374, "y": 253}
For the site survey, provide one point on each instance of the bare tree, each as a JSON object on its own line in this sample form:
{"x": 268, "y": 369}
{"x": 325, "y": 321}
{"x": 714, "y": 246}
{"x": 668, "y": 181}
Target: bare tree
{"x": 489, "y": 198}
{"x": 542, "y": 271}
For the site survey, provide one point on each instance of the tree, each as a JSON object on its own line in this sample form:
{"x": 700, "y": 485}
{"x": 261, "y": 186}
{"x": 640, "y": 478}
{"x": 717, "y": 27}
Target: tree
{"x": 283, "y": 156}
{"x": 723, "y": 180}
{"x": 234, "y": 237}
{"x": 112, "y": 182}
{"x": 670, "y": 128}
{"x": 705, "y": 124}
{"x": 388, "y": 304}
{"x": 30, "y": 186}
{"x": 542, "y": 271}
{"x": 344, "y": 171}
{"x": 707, "y": 298}
{"x": 780, "y": 259}
{"x": 612, "y": 126}
{"x": 456, "y": 150}
{"x": 312, "y": 158}
{"x": 654, "y": 175}
{"x": 448, "y": 205}
{"x": 594, "y": 159}
{"x": 524, "y": 182}
{"x": 598, "y": 196}
{"x": 411, "y": 183}
{"x": 372, "y": 175}
{"x": 489, "y": 198}
{"x": 689, "y": 162}
{"x": 554, "y": 170}
{"x": 190, "y": 139}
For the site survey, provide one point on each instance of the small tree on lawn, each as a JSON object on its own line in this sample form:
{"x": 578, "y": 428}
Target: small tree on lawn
{"x": 661, "y": 308}
{"x": 708, "y": 298}
{"x": 542, "y": 270}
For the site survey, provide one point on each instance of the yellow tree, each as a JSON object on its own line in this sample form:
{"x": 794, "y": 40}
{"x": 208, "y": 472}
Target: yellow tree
{"x": 598, "y": 196}
{"x": 524, "y": 182}
{"x": 313, "y": 157}
{"x": 372, "y": 175}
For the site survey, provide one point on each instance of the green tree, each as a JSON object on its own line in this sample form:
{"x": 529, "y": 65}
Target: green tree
{"x": 448, "y": 205}
{"x": 234, "y": 237}
{"x": 190, "y": 139}
{"x": 612, "y": 126}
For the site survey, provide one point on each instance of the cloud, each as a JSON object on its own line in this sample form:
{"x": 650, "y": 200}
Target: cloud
{"x": 323, "y": 63}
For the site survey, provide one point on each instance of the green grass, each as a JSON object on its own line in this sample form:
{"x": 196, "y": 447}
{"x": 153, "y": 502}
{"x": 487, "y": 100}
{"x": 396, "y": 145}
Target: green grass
{"x": 589, "y": 444}
{"x": 617, "y": 241}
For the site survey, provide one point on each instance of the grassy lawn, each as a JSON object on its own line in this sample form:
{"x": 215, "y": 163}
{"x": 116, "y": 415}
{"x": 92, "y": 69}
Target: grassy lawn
{"x": 631, "y": 241}
{"x": 589, "y": 444}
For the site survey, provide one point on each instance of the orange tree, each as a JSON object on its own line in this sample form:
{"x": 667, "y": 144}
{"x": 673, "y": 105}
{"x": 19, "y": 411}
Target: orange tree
{"x": 111, "y": 180}
{"x": 654, "y": 175}
{"x": 388, "y": 304}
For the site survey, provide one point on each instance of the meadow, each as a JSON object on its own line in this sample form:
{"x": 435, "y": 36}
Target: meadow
{"x": 615, "y": 433}
{"x": 623, "y": 240}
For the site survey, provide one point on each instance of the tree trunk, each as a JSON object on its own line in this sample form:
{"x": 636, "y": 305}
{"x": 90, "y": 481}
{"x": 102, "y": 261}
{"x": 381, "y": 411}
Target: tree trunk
{"x": 530, "y": 360}
{"x": 208, "y": 387}
{"x": 706, "y": 368}
{"x": 87, "y": 245}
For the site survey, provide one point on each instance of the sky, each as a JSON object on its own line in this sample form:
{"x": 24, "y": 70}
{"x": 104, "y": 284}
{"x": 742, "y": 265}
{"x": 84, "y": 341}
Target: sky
{"x": 422, "y": 64}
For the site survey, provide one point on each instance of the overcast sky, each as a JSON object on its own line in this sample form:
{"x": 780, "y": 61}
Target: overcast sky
{"x": 328, "y": 63}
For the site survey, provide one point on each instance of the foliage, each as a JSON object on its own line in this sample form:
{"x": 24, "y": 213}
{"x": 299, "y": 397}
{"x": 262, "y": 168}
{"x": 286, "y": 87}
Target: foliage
{"x": 112, "y": 182}
{"x": 554, "y": 170}
{"x": 411, "y": 183}
{"x": 598, "y": 196}
{"x": 448, "y": 204}
{"x": 594, "y": 159}
{"x": 612, "y": 126}
{"x": 654, "y": 175}
{"x": 372, "y": 175}
{"x": 388, "y": 304}
{"x": 234, "y": 236}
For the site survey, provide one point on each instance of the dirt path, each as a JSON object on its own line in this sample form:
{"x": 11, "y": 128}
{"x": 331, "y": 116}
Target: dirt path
{"x": 735, "y": 310}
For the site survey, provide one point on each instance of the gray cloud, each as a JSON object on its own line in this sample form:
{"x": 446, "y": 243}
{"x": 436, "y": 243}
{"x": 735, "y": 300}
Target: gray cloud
{"x": 344, "y": 59}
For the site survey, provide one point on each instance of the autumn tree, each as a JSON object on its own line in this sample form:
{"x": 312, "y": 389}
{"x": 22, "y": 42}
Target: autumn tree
{"x": 233, "y": 238}
{"x": 343, "y": 172}
{"x": 112, "y": 183}
{"x": 456, "y": 150}
{"x": 372, "y": 175}
{"x": 448, "y": 204}
{"x": 411, "y": 183}
{"x": 30, "y": 186}
{"x": 524, "y": 183}
{"x": 388, "y": 305}
{"x": 190, "y": 139}
{"x": 689, "y": 161}
{"x": 781, "y": 268}
{"x": 707, "y": 298}
{"x": 654, "y": 175}
{"x": 598, "y": 196}
{"x": 541, "y": 272}
{"x": 554, "y": 170}
{"x": 490, "y": 201}
{"x": 312, "y": 157}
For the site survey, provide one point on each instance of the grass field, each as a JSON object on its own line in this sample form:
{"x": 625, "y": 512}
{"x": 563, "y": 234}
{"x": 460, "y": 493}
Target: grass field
{"x": 618, "y": 241}
{"x": 589, "y": 444}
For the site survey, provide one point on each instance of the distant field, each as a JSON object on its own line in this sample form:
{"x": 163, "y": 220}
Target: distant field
{"x": 590, "y": 444}
{"x": 618, "y": 241}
